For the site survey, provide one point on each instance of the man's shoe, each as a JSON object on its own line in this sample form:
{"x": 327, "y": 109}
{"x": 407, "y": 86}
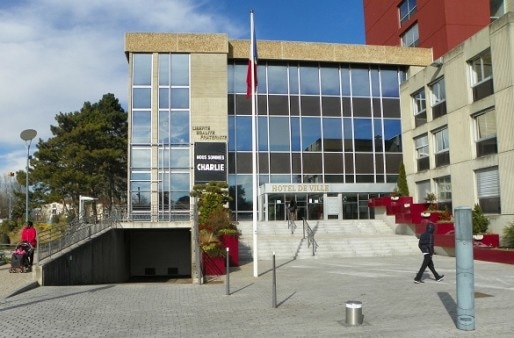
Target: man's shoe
{"x": 440, "y": 278}
{"x": 418, "y": 281}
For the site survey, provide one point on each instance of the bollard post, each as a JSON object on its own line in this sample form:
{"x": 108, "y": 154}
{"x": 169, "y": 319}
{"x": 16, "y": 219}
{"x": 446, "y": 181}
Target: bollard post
{"x": 464, "y": 267}
{"x": 274, "y": 286}
{"x": 354, "y": 312}
{"x": 227, "y": 274}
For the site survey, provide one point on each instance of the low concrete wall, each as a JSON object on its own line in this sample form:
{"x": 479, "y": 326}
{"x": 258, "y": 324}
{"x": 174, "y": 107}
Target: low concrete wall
{"x": 102, "y": 259}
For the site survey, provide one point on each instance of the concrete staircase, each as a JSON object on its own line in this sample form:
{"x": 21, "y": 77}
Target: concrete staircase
{"x": 346, "y": 238}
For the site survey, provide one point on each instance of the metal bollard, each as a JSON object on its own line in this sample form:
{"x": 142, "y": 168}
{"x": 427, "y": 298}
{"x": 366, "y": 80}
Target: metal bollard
{"x": 354, "y": 312}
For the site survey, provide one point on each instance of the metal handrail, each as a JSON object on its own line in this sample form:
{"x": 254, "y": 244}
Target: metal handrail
{"x": 310, "y": 237}
{"x": 291, "y": 223}
{"x": 52, "y": 241}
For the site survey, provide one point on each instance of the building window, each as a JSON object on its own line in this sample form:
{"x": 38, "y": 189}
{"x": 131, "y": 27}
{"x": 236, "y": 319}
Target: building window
{"x": 438, "y": 98}
{"x": 411, "y": 37}
{"x": 442, "y": 147}
{"x": 485, "y": 124}
{"x": 419, "y": 107}
{"x": 422, "y": 152}
{"x": 488, "y": 190}
{"x": 423, "y": 188}
{"x": 444, "y": 192}
{"x": 407, "y": 9}
{"x": 481, "y": 76}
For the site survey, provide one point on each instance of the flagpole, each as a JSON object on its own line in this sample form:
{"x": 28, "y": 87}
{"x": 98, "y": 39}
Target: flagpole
{"x": 254, "y": 149}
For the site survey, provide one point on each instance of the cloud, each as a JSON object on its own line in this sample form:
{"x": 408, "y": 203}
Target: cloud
{"x": 55, "y": 55}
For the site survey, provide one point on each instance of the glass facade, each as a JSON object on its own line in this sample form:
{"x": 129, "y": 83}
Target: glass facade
{"x": 170, "y": 156}
{"x": 317, "y": 123}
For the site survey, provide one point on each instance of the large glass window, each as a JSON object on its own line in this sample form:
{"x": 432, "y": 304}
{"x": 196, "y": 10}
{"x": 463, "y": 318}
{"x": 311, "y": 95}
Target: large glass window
{"x": 444, "y": 192}
{"x": 411, "y": 37}
{"x": 422, "y": 153}
{"x": 442, "y": 147}
{"x": 423, "y": 188}
{"x": 407, "y": 8}
{"x": 485, "y": 124}
{"x": 482, "y": 76}
{"x": 488, "y": 190}
{"x": 438, "y": 98}
{"x": 142, "y": 69}
{"x": 419, "y": 107}
{"x": 309, "y": 80}
{"x": 277, "y": 80}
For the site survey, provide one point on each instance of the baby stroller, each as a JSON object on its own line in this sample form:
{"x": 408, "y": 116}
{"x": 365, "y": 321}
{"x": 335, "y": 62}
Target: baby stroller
{"x": 20, "y": 259}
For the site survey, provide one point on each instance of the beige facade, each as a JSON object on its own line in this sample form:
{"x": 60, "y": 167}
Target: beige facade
{"x": 460, "y": 120}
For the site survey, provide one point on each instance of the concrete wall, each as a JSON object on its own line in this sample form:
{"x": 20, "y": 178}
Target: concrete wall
{"x": 103, "y": 259}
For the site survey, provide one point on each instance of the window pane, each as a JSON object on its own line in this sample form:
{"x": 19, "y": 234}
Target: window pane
{"x": 279, "y": 134}
{"x": 295, "y": 134}
{"x": 309, "y": 80}
{"x": 329, "y": 81}
{"x": 263, "y": 133}
{"x": 180, "y": 70}
{"x": 332, "y": 135}
{"x": 277, "y": 76}
{"x": 441, "y": 140}
{"x": 141, "y": 158}
{"x": 311, "y": 134}
{"x": 141, "y": 127}
{"x": 486, "y": 125}
{"x": 390, "y": 86}
{"x": 244, "y": 133}
{"x": 363, "y": 135}
{"x": 141, "y": 98}
{"x": 293, "y": 80}
{"x": 142, "y": 69}
{"x": 360, "y": 82}
{"x": 179, "y": 127}
{"x": 179, "y": 98}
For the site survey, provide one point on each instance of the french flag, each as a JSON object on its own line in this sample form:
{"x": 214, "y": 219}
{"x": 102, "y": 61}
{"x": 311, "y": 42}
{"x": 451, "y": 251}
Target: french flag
{"x": 251, "y": 74}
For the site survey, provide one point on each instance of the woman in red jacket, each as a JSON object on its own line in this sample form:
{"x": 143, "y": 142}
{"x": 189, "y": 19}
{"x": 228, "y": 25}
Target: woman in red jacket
{"x": 29, "y": 234}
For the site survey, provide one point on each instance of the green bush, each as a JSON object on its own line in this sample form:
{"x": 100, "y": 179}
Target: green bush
{"x": 480, "y": 222}
{"x": 508, "y": 235}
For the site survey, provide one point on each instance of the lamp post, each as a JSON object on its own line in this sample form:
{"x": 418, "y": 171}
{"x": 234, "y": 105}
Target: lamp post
{"x": 27, "y": 135}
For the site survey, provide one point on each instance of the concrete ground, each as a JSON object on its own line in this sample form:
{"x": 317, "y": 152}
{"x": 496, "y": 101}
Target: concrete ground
{"x": 311, "y": 299}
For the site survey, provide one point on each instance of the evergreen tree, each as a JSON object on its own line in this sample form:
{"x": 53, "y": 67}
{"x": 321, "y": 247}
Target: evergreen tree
{"x": 86, "y": 156}
{"x": 403, "y": 188}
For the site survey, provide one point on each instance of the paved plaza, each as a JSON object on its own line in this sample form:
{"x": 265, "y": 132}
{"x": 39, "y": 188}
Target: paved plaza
{"x": 311, "y": 297}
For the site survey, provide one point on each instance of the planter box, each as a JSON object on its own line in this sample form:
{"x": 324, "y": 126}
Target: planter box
{"x": 232, "y": 243}
{"x": 213, "y": 266}
{"x": 494, "y": 255}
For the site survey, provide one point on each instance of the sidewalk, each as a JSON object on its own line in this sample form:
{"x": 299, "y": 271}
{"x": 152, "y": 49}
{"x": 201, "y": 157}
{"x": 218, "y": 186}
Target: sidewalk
{"x": 311, "y": 298}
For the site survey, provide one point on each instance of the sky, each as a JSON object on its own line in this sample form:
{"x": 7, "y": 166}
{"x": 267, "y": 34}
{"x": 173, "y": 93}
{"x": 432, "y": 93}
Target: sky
{"x": 55, "y": 55}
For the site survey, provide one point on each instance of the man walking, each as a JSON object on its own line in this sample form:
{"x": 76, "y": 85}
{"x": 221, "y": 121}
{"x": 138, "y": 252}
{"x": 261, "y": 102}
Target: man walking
{"x": 426, "y": 245}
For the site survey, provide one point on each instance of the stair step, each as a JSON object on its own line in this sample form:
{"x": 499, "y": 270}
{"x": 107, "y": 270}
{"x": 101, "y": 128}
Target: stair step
{"x": 347, "y": 238}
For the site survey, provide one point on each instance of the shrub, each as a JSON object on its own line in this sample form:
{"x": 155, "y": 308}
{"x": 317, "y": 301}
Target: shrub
{"x": 508, "y": 235}
{"x": 480, "y": 222}
{"x": 403, "y": 188}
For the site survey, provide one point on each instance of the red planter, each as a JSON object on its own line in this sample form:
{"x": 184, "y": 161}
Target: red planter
{"x": 232, "y": 243}
{"x": 213, "y": 266}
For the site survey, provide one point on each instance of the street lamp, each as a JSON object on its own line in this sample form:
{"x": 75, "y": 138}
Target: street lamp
{"x": 27, "y": 135}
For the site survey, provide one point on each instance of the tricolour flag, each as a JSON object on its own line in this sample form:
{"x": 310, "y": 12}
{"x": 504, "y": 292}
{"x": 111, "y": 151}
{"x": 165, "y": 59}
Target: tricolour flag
{"x": 251, "y": 73}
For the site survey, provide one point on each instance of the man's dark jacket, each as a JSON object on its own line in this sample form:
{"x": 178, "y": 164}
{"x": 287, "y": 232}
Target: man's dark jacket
{"x": 426, "y": 240}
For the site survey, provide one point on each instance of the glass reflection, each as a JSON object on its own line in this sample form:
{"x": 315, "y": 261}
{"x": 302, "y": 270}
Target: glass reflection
{"x": 180, "y": 70}
{"x": 243, "y": 133}
{"x": 142, "y": 69}
{"x": 311, "y": 134}
{"x": 329, "y": 81}
{"x": 141, "y": 98}
{"x": 309, "y": 80}
{"x": 141, "y": 158}
{"x": 360, "y": 82}
{"x": 141, "y": 127}
{"x": 279, "y": 133}
{"x": 277, "y": 79}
